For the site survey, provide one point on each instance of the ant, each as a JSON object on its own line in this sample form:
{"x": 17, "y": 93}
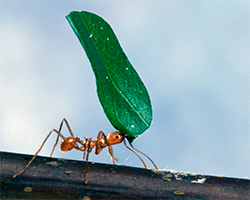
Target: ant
{"x": 102, "y": 141}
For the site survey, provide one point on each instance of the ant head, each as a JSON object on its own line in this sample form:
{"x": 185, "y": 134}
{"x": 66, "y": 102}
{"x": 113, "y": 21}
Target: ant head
{"x": 115, "y": 137}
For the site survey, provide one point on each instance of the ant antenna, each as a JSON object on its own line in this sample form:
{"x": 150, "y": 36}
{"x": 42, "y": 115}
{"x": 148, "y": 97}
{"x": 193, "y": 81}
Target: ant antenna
{"x": 139, "y": 156}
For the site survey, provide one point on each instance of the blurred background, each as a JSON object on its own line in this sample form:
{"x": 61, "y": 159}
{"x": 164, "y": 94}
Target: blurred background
{"x": 193, "y": 57}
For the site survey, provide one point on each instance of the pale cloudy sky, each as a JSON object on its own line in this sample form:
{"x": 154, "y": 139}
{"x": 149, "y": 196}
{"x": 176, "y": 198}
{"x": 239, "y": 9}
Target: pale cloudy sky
{"x": 193, "y": 57}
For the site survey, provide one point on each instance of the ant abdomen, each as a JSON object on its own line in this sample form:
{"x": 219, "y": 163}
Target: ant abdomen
{"x": 65, "y": 146}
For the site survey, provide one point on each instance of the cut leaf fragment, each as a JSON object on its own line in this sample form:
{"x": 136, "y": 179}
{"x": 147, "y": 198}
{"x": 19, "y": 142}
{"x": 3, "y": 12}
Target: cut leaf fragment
{"x": 121, "y": 92}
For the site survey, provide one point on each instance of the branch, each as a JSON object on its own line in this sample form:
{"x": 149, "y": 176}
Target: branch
{"x": 51, "y": 178}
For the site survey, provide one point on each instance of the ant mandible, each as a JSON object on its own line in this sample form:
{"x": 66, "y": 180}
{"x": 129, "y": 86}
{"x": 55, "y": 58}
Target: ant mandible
{"x": 102, "y": 141}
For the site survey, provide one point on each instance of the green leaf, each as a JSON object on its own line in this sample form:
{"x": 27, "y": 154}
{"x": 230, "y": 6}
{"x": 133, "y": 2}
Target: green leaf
{"x": 121, "y": 92}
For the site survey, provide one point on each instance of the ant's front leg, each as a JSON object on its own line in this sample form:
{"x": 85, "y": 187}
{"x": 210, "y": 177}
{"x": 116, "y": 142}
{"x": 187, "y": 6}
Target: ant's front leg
{"x": 102, "y": 142}
{"x": 99, "y": 143}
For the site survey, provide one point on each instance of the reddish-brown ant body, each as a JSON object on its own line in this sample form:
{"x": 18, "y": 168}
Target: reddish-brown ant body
{"x": 102, "y": 141}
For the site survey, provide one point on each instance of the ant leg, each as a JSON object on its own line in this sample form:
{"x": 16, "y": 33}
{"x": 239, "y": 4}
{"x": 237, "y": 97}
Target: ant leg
{"x": 83, "y": 156}
{"x": 54, "y": 146}
{"x": 139, "y": 156}
{"x": 68, "y": 126}
{"x": 34, "y": 155}
{"x": 110, "y": 149}
{"x": 100, "y": 146}
{"x": 60, "y": 128}
{"x": 59, "y": 134}
{"x": 88, "y": 149}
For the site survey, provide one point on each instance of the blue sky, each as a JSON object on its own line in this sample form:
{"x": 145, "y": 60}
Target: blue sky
{"x": 193, "y": 57}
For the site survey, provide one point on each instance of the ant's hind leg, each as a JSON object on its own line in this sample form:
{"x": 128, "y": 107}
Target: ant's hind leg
{"x": 57, "y": 138}
{"x": 60, "y": 128}
{"x": 58, "y": 135}
{"x": 34, "y": 155}
{"x": 68, "y": 126}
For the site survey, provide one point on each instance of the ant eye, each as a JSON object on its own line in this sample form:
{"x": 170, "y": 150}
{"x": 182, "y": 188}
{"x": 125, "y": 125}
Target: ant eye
{"x": 117, "y": 136}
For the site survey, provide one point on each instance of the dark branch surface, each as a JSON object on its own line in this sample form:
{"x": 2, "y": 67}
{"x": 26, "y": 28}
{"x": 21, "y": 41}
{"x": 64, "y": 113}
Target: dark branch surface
{"x": 49, "y": 178}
